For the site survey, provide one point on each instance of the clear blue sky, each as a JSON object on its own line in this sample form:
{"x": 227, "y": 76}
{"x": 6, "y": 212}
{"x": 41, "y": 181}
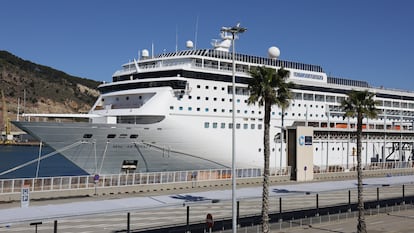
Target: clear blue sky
{"x": 370, "y": 40}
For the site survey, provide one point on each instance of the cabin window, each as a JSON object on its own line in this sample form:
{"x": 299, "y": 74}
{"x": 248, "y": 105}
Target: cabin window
{"x": 133, "y": 136}
{"x": 111, "y": 136}
{"x": 88, "y": 135}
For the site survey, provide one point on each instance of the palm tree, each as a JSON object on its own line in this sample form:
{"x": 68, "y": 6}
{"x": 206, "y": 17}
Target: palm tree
{"x": 268, "y": 87}
{"x": 360, "y": 104}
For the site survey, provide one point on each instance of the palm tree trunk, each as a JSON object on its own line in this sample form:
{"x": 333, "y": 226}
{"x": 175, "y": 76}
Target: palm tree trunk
{"x": 266, "y": 152}
{"x": 361, "y": 228}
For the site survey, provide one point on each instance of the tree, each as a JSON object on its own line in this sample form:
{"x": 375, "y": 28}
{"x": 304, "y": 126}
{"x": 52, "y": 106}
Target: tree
{"x": 360, "y": 104}
{"x": 268, "y": 87}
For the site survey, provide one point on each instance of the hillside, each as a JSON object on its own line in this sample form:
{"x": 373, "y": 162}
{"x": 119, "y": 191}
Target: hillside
{"x": 47, "y": 90}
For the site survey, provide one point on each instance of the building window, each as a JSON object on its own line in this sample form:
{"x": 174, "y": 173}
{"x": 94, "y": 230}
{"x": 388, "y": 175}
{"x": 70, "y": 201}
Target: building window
{"x": 180, "y": 108}
{"x": 190, "y": 108}
{"x": 223, "y": 125}
{"x": 198, "y": 86}
{"x": 252, "y": 126}
{"x": 259, "y": 126}
{"x": 230, "y": 125}
{"x": 245, "y": 126}
{"x": 206, "y": 125}
{"x": 214, "y": 125}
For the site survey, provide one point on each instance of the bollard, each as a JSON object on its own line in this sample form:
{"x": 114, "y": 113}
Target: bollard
{"x": 128, "y": 222}
{"x": 188, "y": 219}
{"x": 238, "y": 213}
{"x": 403, "y": 194}
{"x": 55, "y": 226}
{"x": 280, "y": 208}
{"x": 317, "y": 204}
{"x": 378, "y": 204}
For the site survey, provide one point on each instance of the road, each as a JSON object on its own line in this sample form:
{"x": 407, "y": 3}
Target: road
{"x": 102, "y": 214}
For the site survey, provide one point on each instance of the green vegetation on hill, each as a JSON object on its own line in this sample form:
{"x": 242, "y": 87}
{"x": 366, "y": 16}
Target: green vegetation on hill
{"x": 47, "y": 90}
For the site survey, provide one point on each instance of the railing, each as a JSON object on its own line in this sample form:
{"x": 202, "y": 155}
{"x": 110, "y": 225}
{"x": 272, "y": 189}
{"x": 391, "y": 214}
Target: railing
{"x": 43, "y": 184}
{"x": 365, "y": 167}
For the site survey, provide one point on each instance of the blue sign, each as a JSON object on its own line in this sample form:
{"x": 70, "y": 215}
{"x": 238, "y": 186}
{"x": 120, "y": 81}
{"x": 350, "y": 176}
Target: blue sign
{"x": 301, "y": 140}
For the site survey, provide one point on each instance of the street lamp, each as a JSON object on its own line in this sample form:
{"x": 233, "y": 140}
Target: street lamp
{"x": 273, "y": 53}
{"x": 234, "y": 31}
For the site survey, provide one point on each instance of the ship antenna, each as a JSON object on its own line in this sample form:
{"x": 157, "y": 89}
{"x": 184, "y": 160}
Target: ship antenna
{"x": 152, "y": 49}
{"x": 176, "y": 38}
{"x": 196, "y": 32}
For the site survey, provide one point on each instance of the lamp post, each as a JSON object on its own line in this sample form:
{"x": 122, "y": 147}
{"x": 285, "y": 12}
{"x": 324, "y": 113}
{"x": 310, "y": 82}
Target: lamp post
{"x": 234, "y": 31}
{"x": 273, "y": 53}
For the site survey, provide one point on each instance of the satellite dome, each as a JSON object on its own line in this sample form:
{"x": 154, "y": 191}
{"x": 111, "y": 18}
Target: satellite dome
{"x": 273, "y": 52}
{"x": 145, "y": 53}
{"x": 189, "y": 44}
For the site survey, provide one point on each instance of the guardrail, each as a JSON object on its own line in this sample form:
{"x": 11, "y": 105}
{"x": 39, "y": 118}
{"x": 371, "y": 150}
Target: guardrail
{"x": 42, "y": 184}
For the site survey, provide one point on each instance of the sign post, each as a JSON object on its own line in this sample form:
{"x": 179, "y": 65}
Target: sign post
{"x": 96, "y": 180}
{"x": 25, "y": 199}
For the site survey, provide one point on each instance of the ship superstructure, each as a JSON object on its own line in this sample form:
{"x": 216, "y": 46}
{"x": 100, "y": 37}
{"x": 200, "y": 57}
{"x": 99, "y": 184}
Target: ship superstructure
{"x": 173, "y": 111}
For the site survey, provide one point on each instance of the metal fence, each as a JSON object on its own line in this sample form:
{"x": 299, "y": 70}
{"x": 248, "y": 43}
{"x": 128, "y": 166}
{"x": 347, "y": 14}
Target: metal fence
{"x": 40, "y": 184}
{"x": 366, "y": 167}
{"x": 149, "y": 178}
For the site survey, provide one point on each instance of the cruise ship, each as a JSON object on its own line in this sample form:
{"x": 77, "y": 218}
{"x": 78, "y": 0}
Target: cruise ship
{"x": 173, "y": 111}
